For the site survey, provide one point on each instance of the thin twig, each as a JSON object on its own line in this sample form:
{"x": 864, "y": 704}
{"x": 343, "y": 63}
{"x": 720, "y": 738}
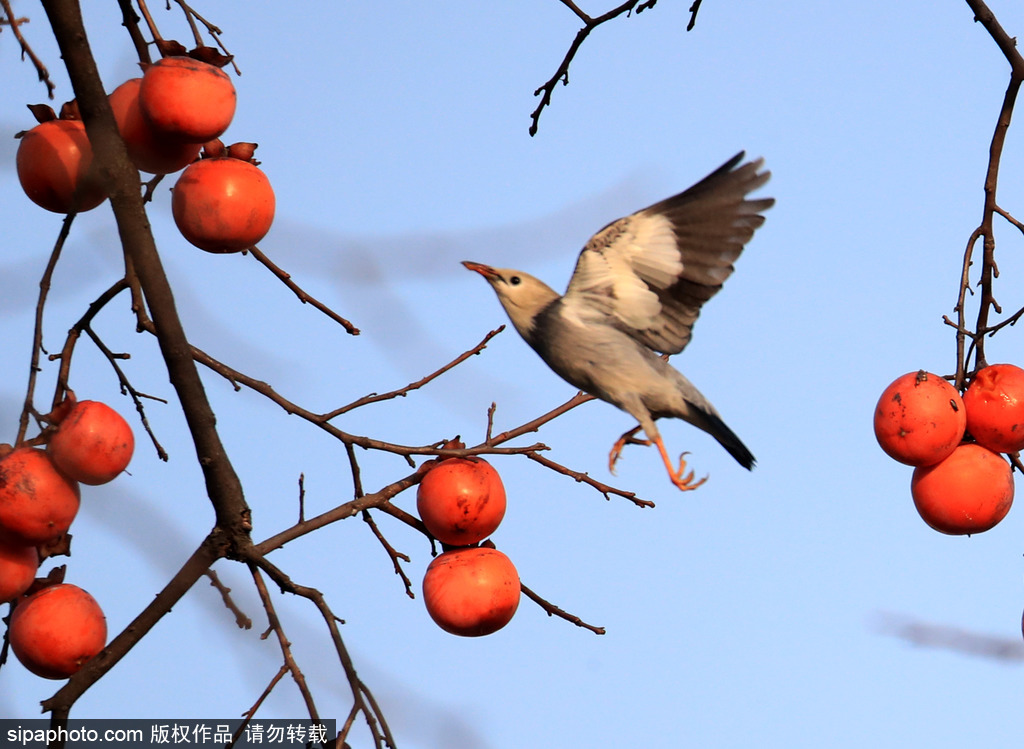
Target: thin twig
{"x": 15, "y": 24}
{"x": 562, "y": 73}
{"x": 243, "y": 621}
{"x": 256, "y": 705}
{"x": 402, "y": 392}
{"x": 396, "y": 556}
{"x": 303, "y": 296}
{"x": 363, "y": 700}
{"x": 989, "y": 271}
{"x": 553, "y": 610}
{"x": 694, "y": 9}
{"x": 585, "y": 478}
{"x": 284, "y": 643}
{"x": 37, "y": 334}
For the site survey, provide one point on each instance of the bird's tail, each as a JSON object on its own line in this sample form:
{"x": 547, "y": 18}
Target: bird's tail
{"x": 712, "y": 424}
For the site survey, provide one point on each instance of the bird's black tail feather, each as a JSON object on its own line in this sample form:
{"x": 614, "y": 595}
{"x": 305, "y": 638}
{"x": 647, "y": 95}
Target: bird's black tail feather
{"x": 713, "y": 425}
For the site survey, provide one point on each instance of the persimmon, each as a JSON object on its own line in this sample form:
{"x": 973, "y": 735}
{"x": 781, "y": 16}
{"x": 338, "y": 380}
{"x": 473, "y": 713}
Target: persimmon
{"x": 995, "y": 408}
{"x": 149, "y": 149}
{"x": 472, "y": 591}
{"x": 968, "y": 492}
{"x": 223, "y": 204}
{"x": 93, "y": 443}
{"x": 461, "y": 501}
{"x": 18, "y": 565}
{"x": 187, "y": 99}
{"x": 56, "y": 630}
{"x": 919, "y": 419}
{"x": 37, "y": 502}
{"x": 55, "y": 167}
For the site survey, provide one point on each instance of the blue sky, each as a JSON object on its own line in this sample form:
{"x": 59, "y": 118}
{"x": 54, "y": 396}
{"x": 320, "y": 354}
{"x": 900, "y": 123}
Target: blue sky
{"x": 742, "y": 614}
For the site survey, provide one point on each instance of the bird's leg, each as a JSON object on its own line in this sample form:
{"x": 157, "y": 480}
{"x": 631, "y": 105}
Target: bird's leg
{"x": 626, "y": 439}
{"x": 683, "y": 483}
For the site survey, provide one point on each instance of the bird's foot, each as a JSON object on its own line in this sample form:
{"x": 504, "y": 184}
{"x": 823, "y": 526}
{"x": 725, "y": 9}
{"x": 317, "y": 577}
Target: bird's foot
{"x": 682, "y": 480}
{"x": 684, "y": 483}
{"x": 626, "y": 439}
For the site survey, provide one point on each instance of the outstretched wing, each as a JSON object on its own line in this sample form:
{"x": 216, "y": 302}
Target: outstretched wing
{"x": 649, "y": 273}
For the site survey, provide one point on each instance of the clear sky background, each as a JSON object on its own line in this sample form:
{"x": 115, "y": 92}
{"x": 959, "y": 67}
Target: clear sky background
{"x": 743, "y": 614}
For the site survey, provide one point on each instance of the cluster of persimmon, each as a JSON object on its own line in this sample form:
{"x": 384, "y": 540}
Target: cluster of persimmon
{"x": 170, "y": 119}
{"x": 469, "y": 589}
{"x": 961, "y": 484}
{"x": 55, "y": 627}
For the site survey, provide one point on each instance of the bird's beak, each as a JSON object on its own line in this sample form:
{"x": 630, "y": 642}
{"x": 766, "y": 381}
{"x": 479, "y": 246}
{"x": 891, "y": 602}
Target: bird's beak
{"x": 484, "y": 270}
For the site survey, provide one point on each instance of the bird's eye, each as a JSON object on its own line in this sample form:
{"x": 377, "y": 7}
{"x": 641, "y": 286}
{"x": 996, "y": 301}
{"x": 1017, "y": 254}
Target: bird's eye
{"x": 515, "y": 280}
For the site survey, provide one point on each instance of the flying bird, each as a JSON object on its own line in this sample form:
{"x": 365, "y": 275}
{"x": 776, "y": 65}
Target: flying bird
{"x": 636, "y": 292}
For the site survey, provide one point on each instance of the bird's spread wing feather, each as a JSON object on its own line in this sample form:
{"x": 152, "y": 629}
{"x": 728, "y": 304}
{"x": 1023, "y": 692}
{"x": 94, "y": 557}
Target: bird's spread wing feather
{"x": 649, "y": 273}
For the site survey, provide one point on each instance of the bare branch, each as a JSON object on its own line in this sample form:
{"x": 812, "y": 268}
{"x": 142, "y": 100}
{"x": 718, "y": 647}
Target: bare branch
{"x": 985, "y": 232}
{"x": 302, "y": 295}
{"x": 284, "y": 643}
{"x": 589, "y": 24}
{"x": 402, "y": 392}
{"x": 15, "y": 24}
{"x": 363, "y": 700}
{"x": 694, "y": 9}
{"x": 396, "y": 556}
{"x": 553, "y": 610}
{"x": 37, "y": 335}
{"x": 243, "y": 621}
{"x": 585, "y": 478}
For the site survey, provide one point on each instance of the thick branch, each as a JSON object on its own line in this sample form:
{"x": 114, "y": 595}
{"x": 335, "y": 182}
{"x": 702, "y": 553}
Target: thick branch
{"x": 223, "y": 485}
{"x": 208, "y": 552}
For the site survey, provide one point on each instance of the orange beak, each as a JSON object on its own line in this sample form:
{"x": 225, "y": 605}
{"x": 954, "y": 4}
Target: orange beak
{"x": 484, "y": 270}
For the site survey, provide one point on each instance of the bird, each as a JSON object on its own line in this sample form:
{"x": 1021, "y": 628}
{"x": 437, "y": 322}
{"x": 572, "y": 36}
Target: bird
{"x": 632, "y": 301}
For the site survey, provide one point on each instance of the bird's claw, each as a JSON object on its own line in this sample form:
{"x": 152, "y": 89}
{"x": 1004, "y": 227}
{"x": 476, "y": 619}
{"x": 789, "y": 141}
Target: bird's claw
{"x": 681, "y": 482}
{"x": 680, "y": 479}
{"x": 616, "y": 451}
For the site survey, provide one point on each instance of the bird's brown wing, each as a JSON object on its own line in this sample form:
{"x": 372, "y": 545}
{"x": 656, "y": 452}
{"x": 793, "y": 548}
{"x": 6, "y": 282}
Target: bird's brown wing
{"x": 650, "y": 272}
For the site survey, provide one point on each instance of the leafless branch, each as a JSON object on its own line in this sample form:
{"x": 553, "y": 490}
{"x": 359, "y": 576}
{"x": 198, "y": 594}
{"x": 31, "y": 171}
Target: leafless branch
{"x": 402, "y": 392}
{"x": 585, "y": 478}
{"x": 985, "y": 232}
{"x": 284, "y": 643}
{"x": 694, "y": 9}
{"x": 397, "y": 557}
{"x": 553, "y": 610}
{"x": 589, "y": 24}
{"x": 243, "y": 621}
{"x": 37, "y": 334}
{"x": 16, "y": 24}
{"x": 304, "y": 297}
{"x": 363, "y": 700}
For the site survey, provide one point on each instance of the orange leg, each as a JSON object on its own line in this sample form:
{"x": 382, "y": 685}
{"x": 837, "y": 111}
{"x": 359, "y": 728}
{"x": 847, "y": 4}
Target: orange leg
{"x": 683, "y": 483}
{"x": 626, "y": 439}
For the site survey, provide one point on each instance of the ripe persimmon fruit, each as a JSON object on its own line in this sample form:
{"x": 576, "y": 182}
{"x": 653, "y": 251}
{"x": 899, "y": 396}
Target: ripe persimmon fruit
{"x": 995, "y": 408}
{"x": 919, "y": 419}
{"x": 37, "y": 501}
{"x": 55, "y": 167}
{"x": 93, "y": 444}
{"x": 223, "y": 204}
{"x": 968, "y": 492}
{"x": 56, "y": 630}
{"x": 187, "y": 99}
{"x": 149, "y": 149}
{"x": 461, "y": 501}
{"x": 18, "y": 565}
{"x": 472, "y": 591}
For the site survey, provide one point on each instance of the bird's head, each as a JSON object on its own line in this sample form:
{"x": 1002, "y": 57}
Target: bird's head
{"x": 522, "y": 295}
